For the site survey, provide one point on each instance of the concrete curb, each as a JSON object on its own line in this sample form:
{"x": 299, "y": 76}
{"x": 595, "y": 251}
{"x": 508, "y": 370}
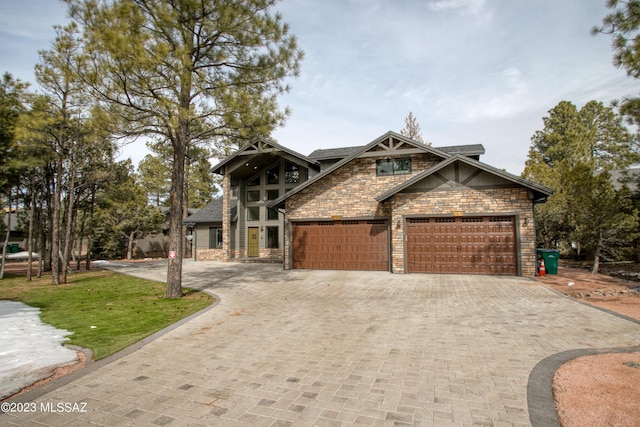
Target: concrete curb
{"x": 542, "y": 407}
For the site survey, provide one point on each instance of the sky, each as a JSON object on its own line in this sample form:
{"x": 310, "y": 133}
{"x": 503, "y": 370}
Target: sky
{"x": 471, "y": 71}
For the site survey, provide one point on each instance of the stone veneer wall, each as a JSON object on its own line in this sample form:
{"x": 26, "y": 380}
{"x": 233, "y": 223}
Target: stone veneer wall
{"x": 211, "y": 255}
{"x": 350, "y": 192}
{"x": 509, "y": 201}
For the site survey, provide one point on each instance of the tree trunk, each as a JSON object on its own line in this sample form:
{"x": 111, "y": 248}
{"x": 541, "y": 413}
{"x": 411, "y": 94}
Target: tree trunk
{"x": 32, "y": 211}
{"x": 130, "y": 239}
{"x": 174, "y": 267}
{"x": 70, "y": 221}
{"x": 47, "y": 232}
{"x": 55, "y": 225}
{"x": 79, "y": 241}
{"x": 6, "y": 239}
{"x": 596, "y": 258}
{"x": 90, "y": 228}
{"x": 41, "y": 243}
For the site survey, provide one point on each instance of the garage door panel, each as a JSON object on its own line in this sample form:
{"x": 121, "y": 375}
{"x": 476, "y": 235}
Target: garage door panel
{"x": 475, "y": 245}
{"x": 345, "y": 245}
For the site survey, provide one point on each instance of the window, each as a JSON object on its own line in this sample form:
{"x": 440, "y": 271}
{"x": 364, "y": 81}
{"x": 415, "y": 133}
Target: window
{"x": 272, "y": 213}
{"x": 253, "y": 196}
{"x": 273, "y": 175}
{"x": 253, "y": 213}
{"x": 272, "y": 237}
{"x": 215, "y": 238}
{"x": 291, "y": 173}
{"x": 393, "y": 166}
{"x": 254, "y": 181}
{"x": 272, "y": 194}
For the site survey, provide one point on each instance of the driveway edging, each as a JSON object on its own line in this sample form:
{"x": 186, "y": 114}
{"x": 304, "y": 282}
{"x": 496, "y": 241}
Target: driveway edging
{"x": 92, "y": 366}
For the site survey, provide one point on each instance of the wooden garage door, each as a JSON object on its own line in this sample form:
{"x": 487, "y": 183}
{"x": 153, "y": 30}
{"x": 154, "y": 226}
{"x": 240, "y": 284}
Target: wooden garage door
{"x": 340, "y": 245}
{"x": 475, "y": 245}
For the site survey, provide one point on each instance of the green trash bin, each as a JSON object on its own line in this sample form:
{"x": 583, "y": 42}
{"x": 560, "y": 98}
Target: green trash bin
{"x": 551, "y": 259}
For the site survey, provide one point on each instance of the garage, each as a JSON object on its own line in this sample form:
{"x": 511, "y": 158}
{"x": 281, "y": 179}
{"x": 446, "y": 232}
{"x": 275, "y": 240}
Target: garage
{"x": 340, "y": 245}
{"x": 468, "y": 245}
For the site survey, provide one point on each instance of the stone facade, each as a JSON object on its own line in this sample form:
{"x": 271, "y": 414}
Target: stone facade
{"x": 469, "y": 202}
{"x": 369, "y": 186}
{"x": 350, "y": 192}
{"x": 211, "y": 255}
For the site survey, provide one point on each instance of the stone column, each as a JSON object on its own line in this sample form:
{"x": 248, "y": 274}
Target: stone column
{"x": 226, "y": 216}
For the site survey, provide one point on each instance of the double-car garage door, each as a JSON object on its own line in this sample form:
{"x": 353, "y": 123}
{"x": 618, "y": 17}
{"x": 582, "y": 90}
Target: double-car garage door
{"x": 474, "y": 245}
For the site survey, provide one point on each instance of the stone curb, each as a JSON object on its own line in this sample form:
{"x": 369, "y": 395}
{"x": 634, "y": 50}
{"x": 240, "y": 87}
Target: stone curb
{"x": 542, "y": 408}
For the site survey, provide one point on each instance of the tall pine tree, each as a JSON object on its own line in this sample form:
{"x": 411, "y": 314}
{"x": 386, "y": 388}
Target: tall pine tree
{"x": 187, "y": 71}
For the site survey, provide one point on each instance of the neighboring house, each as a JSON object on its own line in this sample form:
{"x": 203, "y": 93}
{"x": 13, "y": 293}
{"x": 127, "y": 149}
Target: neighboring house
{"x": 392, "y": 205}
{"x": 206, "y": 231}
{"x": 156, "y": 245}
{"x": 17, "y": 238}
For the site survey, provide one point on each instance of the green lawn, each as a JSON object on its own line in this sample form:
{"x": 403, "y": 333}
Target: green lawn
{"x": 106, "y": 311}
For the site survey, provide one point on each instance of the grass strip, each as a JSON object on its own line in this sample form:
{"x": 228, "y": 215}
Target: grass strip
{"x": 106, "y": 311}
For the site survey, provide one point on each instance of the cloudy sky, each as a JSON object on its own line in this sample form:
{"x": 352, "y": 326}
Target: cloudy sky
{"x": 471, "y": 71}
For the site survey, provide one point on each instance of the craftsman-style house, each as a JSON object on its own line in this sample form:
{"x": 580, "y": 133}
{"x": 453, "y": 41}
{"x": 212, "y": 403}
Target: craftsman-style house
{"x": 392, "y": 205}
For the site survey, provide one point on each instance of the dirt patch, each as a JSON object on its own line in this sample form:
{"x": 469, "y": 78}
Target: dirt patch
{"x": 603, "y": 389}
{"x": 599, "y": 390}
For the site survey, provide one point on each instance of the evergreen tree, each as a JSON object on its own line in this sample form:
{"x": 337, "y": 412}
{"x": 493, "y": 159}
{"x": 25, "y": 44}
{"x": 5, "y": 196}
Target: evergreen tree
{"x": 623, "y": 25}
{"x": 155, "y": 176}
{"x": 11, "y": 107}
{"x": 412, "y": 128}
{"x": 124, "y": 214}
{"x": 187, "y": 71}
{"x": 572, "y": 155}
{"x": 57, "y": 74}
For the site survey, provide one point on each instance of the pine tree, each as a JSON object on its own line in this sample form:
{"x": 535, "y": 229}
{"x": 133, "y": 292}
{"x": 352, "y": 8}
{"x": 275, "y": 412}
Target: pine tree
{"x": 187, "y": 71}
{"x": 572, "y": 155}
{"x": 412, "y": 128}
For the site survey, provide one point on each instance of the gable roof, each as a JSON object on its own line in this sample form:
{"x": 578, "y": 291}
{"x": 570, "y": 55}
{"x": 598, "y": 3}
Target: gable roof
{"x": 262, "y": 146}
{"x": 341, "y": 152}
{"x": 334, "y": 153}
{"x": 212, "y": 212}
{"x": 540, "y": 191}
{"x": 363, "y": 149}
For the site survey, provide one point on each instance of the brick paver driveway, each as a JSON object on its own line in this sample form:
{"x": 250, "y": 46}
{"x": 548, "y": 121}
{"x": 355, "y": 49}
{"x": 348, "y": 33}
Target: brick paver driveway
{"x": 337, "y": 348}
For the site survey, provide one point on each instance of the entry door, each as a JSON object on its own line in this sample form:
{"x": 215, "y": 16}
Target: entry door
{"x": 254, "y": 242}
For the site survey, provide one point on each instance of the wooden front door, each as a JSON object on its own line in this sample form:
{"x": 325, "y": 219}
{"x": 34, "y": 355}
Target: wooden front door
{"x": 253, "y": 248}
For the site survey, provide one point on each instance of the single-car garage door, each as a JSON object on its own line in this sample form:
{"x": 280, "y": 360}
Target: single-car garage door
{"x": 340, "y": 245}
{"x": 475, "y": 245}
